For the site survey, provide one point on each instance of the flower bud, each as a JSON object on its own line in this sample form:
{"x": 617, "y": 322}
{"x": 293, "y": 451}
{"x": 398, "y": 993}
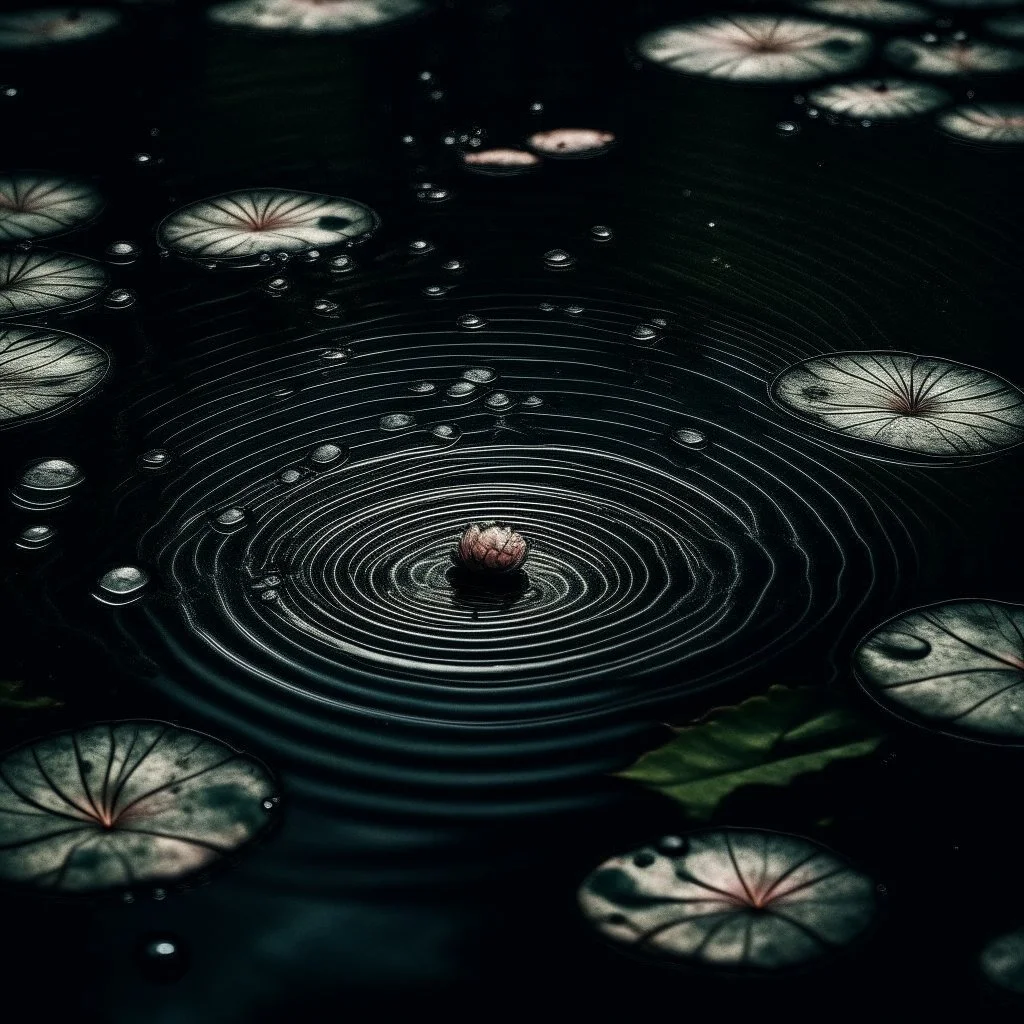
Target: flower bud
{"x": 490, "y": 547}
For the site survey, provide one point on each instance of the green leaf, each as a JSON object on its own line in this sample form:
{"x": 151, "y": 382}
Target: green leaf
{"x": 10, "y": 697}
{"x": 765, "y": 741}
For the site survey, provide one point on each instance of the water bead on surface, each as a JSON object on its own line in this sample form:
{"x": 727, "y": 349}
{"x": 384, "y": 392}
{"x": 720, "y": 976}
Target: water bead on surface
{"x": 32, "y": 538}
{"x": 601, "y": 233}
{"x": 397, "y": 421}
{"x": 327, "y": 455}
{"x": 120, "y": 298}
{"x": 687, "y": 437}
{"x": 471, "y": 322}
{"x": 558, "y": 259}
{"x": 462, "y": 390}
{"x": 155, "y": 458}
{"x": 121, "y": 584}
{"x": 480, "y": 374}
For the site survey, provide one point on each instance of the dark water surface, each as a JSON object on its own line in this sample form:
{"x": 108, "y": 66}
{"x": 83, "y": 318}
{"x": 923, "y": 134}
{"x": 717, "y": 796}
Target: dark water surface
{"x": 692, "y": 544}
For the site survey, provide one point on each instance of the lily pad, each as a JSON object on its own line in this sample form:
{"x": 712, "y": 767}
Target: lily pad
{"x": 757, "y": 48}
{"x": 1002, "y": 962}
{"x": 767, "y": 741}
{"x": 957, "y": 667}
{"x": 736, "y": 900}
{"x": 881, "y": 99}
{"x": 242, "y": 226}
{"x": 920, "y": 405}
{"x": 38, "y": 281}
{"x": 313, "y": 16}
{"x": 45, "y": 372}
{"x": 118, "y": 805}
{"x": 989, "y": 123}
{"x": 30, "y": 29}
{"x": 40, "y": 205}
{"x": 947, "y": 60}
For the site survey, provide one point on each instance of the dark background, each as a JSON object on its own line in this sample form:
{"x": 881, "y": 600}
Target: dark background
{"x": 839, "y": 238}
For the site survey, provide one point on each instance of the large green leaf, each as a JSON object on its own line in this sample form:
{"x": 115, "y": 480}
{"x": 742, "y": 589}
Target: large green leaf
{"x": 765, "y": 741}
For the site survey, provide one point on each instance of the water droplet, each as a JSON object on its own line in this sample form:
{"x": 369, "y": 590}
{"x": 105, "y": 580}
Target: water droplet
{"x": 480, "y": 374}
{"x": 866, "y": 123}
{"x": 122, "y": 581}
{"x": 449, "y": 140}
{"x": 471, "y": 322}
{"x": 499, "y": 401}
{"x": 326, "y": 455}
{"x": 445, "y": 432}
{"x": 282, "y": 393}
{"x": 558, "y": 259}
{"x": 289, "y": 476}
{"x": 960, "y": 36}
{"x": 420, "y": 246}
{"x": 34, "y": 537}
{"x": 672, "y": 845}
{"x": 341, "y": 264}
{"x": 324, "y": 307}
{"x": 277, "y": 286}
{"x": 408, "y": 140}
{"x": 336, "y": 355}
{"x": 536, "y": 108}
{"x": 143, "y": 158}
{"x": 51, "y": 475}
{"x": 787, "y": 128}
{"x": 122, "y": 251}
{"x": 422, "y": 387}
{"x": 644, "y": 332}
{"x": 434, "y": 291}
{"x": 229, "y": 520}
{"x": 282, "y": 257}
{"x": 120, "y": 298}
{"x": 155, "y": 458}
{"x": 270, "y": 596}
{"x": 397, "y": 421}
{"x": 813, "y": 112}
{"x": 312, "y": 256}
{"x": 573, "y": 310}
{"x": 601, "y": 233}
{"x": 433, "y": 195}
{"x": 436, "y": 95}
{"x": 269, "y": 805}
{"x": 547, "y": 307}
{"x": 689, "y": 438}
{"x": 454, "y": 266}
{"x": 711, "y": 224}
{"x": 903, "y": 647}
{"x": 532, "y": 402}
{"x": 462, "y": 390}
{"x": 644, "y": 859}
{"x": 162, "y": 957}
{"x": 10, "y": 91}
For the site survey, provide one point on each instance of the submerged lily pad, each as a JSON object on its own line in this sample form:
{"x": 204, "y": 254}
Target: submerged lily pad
{"x": 916, "y": 404}
{"x": 731, "y": 899}
{"x": 123, "y": 804}
{"x": 244, "y": 225}
{"x": 44, "y": 372}
{"x": 38, "y": 281}
{"x": 1002, "y": 962}
{"x": 957, "y": 667}
{"x": 40, "y": 205}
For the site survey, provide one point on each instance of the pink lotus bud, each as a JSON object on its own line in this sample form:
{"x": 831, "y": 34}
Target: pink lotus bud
{"x": 490, "y": 547}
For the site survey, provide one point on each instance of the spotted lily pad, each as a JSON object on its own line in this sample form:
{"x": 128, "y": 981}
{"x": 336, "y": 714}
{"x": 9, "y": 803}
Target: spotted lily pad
{"x": 768, "y": 741}
{"x": 118, "y": 805}
{"x": 242, "y": 226}
{"x": 957, "y": 667}
{"x": 735, "y": 900}
{"x": 923, "y": 406}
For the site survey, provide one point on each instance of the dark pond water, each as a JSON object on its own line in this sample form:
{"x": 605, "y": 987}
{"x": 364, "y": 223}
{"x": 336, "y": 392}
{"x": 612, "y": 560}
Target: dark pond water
{"x": 287, "y": 447}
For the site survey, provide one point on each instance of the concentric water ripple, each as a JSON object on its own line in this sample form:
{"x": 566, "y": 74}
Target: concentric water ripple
{"x": 681, "y": 534}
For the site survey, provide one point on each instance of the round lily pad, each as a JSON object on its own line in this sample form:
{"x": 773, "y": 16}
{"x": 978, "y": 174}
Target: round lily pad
{"x": 916, "y": 404}
{"x": 313, "y": 16}
{"x": 40, "y": 205}
{"x": 38, "y": 281}
{"x": 45, "y": 372}
{"x": 989, "y": 123}
{"x": 884, "y": 99}
{"x": 957, "y": 667}
{"x": 731, "y": 899}
{"x": 29, "y": 29}
{"x": 242, "y": 226}
{"x": 1002, "y": 962}
{"x": 757, "y": 48}
{"x": 119, "y": 805}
